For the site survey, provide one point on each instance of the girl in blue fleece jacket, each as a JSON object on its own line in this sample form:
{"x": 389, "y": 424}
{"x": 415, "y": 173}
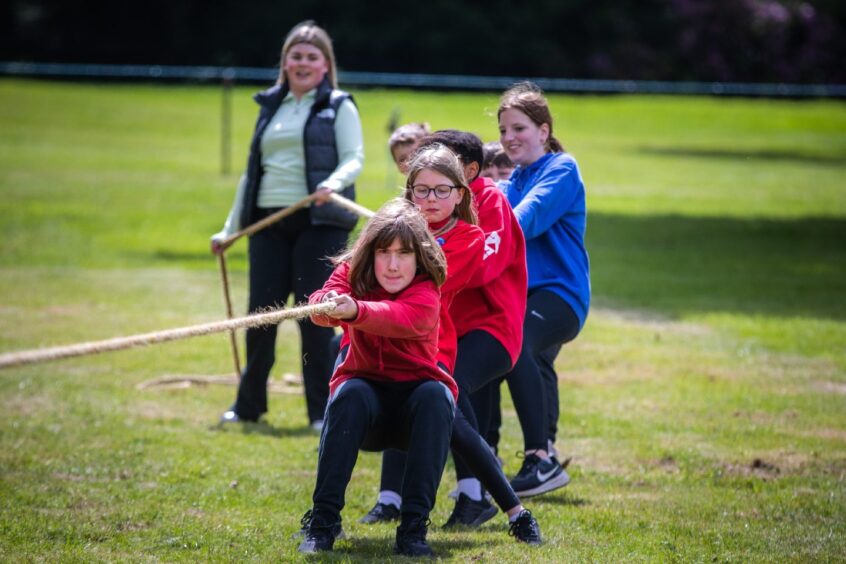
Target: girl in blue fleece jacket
{"x": 548, "y": 198}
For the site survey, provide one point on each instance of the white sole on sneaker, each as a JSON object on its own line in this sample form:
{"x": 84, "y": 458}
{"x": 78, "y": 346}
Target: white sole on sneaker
{"x": 558, "y": 481}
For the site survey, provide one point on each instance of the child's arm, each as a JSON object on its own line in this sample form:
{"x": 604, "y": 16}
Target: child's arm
{"x": 503, "y": 239}
{"x": 412, "y": 315}
{"x": 464, "y": 253}
{"x": 551, "y": 197}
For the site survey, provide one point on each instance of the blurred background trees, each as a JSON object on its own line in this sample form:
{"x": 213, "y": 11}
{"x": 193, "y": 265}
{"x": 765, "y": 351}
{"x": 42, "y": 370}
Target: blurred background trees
{"x": 703, "y": 40}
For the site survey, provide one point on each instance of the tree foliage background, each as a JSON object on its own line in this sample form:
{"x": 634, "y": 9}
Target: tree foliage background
{"x": 723, "y": 40}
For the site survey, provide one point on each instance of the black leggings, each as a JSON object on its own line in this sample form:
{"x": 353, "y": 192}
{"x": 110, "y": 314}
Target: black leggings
{"x": 481, "y": 360}
{"x": 479, "y": 355}
{"x": 415, "y": 417}
{"x": 285, "y": 258}
{"x": 471, "y": 449}
{"x": 549, "y": 321}
{"x": 486, "y": 402}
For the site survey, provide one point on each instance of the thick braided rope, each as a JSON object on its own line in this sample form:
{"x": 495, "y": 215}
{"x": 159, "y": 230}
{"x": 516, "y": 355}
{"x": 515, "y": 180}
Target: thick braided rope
{"x": 352, "y": 206}
{"x": 118, "y": 343}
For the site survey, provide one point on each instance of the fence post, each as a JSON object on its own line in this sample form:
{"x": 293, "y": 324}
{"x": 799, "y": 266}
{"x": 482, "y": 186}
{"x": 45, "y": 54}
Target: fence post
{"x": 226, "y": 120}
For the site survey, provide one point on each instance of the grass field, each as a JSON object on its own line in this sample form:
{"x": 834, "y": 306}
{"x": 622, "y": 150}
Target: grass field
{"x": 704, "y": 404}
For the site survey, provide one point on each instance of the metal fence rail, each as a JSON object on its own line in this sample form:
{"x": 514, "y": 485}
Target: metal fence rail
{"x": 435, "y": 81}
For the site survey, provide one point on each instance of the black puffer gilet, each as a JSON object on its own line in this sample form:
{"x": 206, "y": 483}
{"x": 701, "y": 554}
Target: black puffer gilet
{"x": 321, "y": 153}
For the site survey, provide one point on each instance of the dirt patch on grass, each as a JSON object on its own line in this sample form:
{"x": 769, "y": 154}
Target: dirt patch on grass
{"x": 828, "y": 433}
{"x": 757, "y": 467}
{"x": 26, "y": 407}
{"x": 667, "y": 463}
{"x": 772, "y": 465}
{"x": 592, "y": 456}
{"x": 652, "y": 321}
{"x": 838, "y": 388}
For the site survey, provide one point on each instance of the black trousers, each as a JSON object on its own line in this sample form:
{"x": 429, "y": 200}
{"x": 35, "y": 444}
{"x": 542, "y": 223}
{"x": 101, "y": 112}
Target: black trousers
{"x": 289, "y": 257}
{"x": 416, "y": 418}
{"x": 469, "y": 449}
{"x": 481, "y": 360}
{"x": 549, "y": 321}
{"x": 486, "y": 401}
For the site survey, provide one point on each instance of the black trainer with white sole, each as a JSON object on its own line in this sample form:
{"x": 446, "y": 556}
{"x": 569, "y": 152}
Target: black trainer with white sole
{"x": 538, "y": 476}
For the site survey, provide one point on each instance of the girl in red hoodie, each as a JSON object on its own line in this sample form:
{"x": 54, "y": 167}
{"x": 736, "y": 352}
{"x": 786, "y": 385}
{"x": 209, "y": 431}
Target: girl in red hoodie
{"x": 389, "y": 390}
{"x": 436, "y": 184}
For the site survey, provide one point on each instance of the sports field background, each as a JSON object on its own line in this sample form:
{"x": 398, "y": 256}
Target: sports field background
{"x": 704, "y": 405}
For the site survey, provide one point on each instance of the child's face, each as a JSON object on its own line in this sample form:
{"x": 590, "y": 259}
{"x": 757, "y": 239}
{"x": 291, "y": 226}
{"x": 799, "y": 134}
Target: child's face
{"x": 395, "y": 267}
{"x": 491, "y": 172}
{"x": 504, "y": 172}
{"x": 401, "y": 154}
{"x": 523, "y": 141}
{"x": 435, "y": 209}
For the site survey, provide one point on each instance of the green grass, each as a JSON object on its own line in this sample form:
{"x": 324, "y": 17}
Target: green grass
{"x": 704, "y": 404}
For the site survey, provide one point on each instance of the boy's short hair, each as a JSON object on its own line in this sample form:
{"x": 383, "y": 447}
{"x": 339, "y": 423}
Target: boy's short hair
{"x": 466, "y": 145}
{"x": 408, "y": 133}
{"x": 496, "y": 156}
{"x": 501, "y": 160}
{"x": 490, "y": 151}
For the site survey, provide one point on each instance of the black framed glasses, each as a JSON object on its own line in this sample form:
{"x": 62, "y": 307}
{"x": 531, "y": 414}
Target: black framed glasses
{"x": 422, "y": 191}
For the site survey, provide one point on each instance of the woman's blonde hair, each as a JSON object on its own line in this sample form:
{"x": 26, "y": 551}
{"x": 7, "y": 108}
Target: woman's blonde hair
{"x": 439, "y": 158}
{"x": 397, "y": 219}
{"x": 528, "y": 98}
{"x": 309, "y": 32}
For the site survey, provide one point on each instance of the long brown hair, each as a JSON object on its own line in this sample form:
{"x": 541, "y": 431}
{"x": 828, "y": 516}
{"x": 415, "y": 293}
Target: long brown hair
{"x": 397, "y": 219}
{"x": 309, "y": 32}
{"x": 527, "y": 97}
{"x": 440, "y": 159}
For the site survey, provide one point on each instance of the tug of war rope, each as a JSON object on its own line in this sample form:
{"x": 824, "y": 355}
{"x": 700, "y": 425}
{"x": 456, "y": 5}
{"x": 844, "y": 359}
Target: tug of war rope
{"x": 21, "y": 358}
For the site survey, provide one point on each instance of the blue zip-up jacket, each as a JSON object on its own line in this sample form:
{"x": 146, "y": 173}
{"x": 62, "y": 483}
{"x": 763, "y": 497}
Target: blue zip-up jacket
{"x": 548, "y": 197}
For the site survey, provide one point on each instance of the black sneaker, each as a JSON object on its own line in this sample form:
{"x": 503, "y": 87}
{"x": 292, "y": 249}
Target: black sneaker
{"x": 411, "y": 537}
{"x": 381, "y": 513}
{"x": 525, "y": 528}
{"x": 538, "y": 476}
{"x": 320, "y": 533}
{"x": 337, "y": 530}
{"x": 470, "y": 513}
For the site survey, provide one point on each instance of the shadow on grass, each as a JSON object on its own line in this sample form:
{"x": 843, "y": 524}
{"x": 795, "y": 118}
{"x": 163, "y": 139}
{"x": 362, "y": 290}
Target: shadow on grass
{"x": 680, "y": 264}
{"x": 264, "y": 428}
{"x": 380, "y": 548}
{"x": 762, "y": 155}
{"x": 557, "y": 498}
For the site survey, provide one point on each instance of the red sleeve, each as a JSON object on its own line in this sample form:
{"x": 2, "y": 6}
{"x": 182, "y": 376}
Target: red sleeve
{"x": 411, "y": 315}
{"x": 463, "y": 248}
{"x": 502, "y": 235}
{"x": 339, "y": 282}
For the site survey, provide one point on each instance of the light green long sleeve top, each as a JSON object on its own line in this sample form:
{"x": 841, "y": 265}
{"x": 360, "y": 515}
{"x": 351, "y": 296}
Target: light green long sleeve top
{"x": 283, "y": 158}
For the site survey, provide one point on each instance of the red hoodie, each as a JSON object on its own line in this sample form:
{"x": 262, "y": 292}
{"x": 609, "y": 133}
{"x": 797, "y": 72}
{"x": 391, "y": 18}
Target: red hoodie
{"x": 463, "y": 246}
{"x": 394, "y": 337}
{"x": 495, "y": 297}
